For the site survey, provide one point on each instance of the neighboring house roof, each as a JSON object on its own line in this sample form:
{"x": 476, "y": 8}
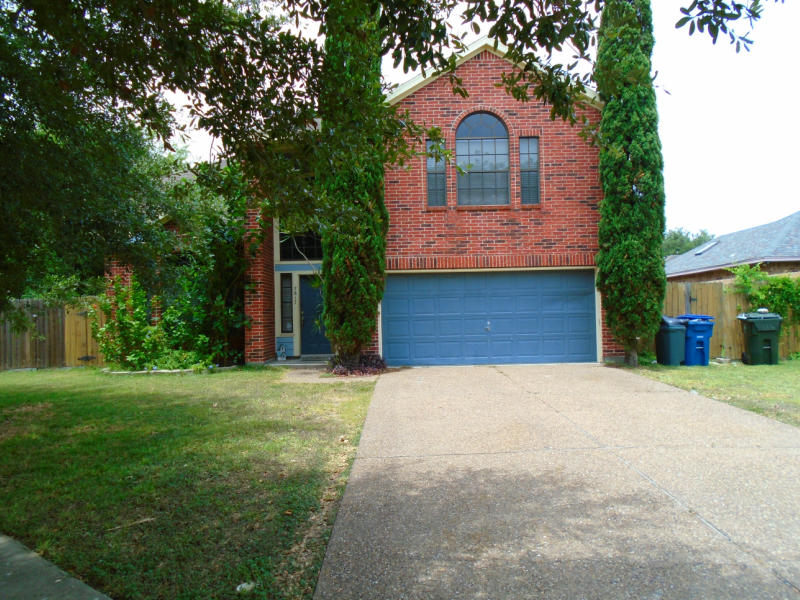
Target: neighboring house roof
{"x": 484, "y": 44}
{"x": 773, "y": 242}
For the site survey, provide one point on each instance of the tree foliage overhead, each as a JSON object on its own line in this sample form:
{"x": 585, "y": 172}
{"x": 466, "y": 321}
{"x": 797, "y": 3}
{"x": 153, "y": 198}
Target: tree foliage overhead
{"x": 71, "y": 198}
{"x": 75, "y": 74}
{"x": 350, "y": 175}
{"x": 78, "y": 180}
{"x": 630, "y": 264}
{"x": 678, "y": 241}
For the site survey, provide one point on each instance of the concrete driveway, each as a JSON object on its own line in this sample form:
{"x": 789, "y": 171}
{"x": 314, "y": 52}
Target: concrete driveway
{"x": 564, "y": 481}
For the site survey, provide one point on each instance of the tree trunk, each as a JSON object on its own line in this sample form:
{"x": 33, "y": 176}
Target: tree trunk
{"x": 350, "y": 362}
{"x": 631, "y": 357}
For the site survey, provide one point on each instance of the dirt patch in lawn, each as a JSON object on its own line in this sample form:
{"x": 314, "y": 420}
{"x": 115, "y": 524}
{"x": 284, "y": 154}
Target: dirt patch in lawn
{"x": 17, "y": 420}
{"x": 321, "y": 375}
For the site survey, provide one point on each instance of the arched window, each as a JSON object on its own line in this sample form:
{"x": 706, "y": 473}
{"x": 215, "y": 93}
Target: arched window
{"x": 482, "y": 153}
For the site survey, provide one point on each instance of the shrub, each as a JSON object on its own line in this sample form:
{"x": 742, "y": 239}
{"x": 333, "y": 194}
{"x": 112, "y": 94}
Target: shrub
{"x": 780, "y": 294}
{"x": 128, "y": 338}
{"x": 367, "y": 364}
{"x": 630, "y": 265}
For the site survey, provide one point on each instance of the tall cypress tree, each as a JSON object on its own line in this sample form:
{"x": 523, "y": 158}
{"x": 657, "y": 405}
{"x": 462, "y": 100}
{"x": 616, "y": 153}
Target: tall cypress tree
{"x": 350, "y": 176}
{"x": 631, "y": 268}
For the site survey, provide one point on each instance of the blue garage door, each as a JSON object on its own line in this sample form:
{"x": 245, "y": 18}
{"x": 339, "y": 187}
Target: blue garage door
{"x": 489, "y": 318}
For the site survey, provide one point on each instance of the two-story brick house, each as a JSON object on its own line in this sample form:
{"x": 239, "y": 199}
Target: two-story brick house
{"x": 491, "y": 265}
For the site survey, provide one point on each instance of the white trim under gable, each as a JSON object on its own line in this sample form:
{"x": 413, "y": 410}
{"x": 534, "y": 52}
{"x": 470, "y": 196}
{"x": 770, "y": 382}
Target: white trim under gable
{"x": 483, "y": 44}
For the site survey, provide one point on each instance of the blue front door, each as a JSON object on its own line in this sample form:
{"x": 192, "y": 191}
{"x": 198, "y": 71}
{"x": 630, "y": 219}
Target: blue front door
{"x": 312, "y": 332}
{"x": 489, "y": 318}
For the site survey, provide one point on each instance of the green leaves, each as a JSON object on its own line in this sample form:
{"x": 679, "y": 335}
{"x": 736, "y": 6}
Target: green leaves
{"x": 630, "y": 264}
{"x": 715, "y": 17}
{"x": 778, "y": 293}
{"x": 349, "y": 173}
{"x": 678, "y": 241}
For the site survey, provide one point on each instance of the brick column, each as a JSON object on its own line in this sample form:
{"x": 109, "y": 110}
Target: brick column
{"x": 612, "y": 349}
{"x": 259, "y": 295}
{"x": 115, "y": 268}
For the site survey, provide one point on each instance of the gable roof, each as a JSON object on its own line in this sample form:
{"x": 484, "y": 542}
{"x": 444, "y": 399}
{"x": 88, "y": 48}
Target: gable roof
{"x": 774, "y": 242}
{"x": 483, "y": 44}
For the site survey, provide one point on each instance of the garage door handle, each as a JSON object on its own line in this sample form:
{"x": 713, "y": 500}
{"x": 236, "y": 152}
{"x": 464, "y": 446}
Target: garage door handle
{"x": 488, "y": 325}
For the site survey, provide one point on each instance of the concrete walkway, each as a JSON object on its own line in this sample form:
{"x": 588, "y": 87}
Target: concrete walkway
{"x": 24, "y": 575}
{"x": 564, "y": 481}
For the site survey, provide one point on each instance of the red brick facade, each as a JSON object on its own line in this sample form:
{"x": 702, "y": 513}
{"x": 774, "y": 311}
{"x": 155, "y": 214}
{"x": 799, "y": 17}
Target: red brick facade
{"x": 259, "y": 297}
{"x": 114, "y": 269}
{"x": 560, "y": 231}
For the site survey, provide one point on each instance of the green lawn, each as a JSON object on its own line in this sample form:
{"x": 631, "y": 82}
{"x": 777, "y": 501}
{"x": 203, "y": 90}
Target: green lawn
{"x": 177, "y": 486}
{"x": 770, "y": 390}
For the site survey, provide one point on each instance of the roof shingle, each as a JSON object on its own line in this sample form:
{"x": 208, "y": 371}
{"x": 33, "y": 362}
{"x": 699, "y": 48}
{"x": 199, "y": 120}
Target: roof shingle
{"x": 774, "y": 242}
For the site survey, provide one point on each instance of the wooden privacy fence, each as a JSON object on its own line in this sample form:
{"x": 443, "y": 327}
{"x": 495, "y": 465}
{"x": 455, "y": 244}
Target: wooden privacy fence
{"x": 61, "y": 337}
{"x": 718, "y": 299}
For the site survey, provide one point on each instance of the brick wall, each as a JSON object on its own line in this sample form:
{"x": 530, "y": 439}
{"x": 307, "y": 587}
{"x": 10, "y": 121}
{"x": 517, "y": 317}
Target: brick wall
{"x": 560, "y": 231}
{"x": 114, "y": 269}
{"x": 259, "y": 296}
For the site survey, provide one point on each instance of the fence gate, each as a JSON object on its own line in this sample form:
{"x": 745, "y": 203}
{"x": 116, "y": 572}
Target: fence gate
{"x": 60, "y": 338}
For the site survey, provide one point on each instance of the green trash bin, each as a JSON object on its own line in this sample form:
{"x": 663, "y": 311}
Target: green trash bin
{"x": 670, "y": 342}
{"x": 762, "y": 330}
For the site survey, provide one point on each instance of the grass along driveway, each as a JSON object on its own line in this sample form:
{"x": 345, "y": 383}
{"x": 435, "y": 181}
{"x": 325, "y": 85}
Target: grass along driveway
{"x": 770, "y": 390}
{"x": 177, "y": 486}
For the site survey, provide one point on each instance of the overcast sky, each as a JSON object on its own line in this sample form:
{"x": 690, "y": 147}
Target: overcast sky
{"x": 729, "y": 124}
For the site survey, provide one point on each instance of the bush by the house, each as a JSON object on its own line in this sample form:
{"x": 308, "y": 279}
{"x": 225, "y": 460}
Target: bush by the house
{"x": 199, "y": 285}
{"x": 778, "y": 293}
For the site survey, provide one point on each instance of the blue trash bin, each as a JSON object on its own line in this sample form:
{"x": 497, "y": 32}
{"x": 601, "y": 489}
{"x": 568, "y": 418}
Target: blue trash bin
{"x": 699, "y": 329}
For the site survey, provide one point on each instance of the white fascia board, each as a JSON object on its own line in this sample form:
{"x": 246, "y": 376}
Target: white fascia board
{"x": 484, "y": 44}
{"x": 751, "y": 261}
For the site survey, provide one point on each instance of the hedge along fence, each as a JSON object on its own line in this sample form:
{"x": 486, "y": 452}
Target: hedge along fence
{"x": 61, "y": 337}
{"x": 718, "y": 299}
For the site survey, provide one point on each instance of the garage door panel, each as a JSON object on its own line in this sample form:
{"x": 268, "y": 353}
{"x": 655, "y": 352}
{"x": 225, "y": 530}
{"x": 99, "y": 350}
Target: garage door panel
{"x": 450, "y": 350}
{"x": 552, "y": 302}
{"x": 577, "y": 346}
{"x": 396, "y": 328}
{"x": 475, "y": 325}
{"x": 423, "y": 305}
{"x": 554, "y": 324}
{"x": 475, "y": 284}
{"x": 535, "y": 316}
{"x": 528, "y": 324}
{"x": 450, "y": 327}
{"x": 501, "y": 303}
{"x": 474, "y": 348}
{"x": 501, "y": 349}
{"x": 396, "y": 306}
{"x": 475, "y": 304}
{"x": 577, "y": 303}
{"x": 424, "y": 286}
{"x": 527, "y": 303}
{"x": 528, "y": 346}
{"x": 425, "y": 350}
{"x": 452, "y": 305}
{"x": 424, "y": 327}
{"x": 554, "y": 346}
{"x": 503, "y": 325}
{"x": 399, "y": 351}
{"x": 578, "y": 325}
